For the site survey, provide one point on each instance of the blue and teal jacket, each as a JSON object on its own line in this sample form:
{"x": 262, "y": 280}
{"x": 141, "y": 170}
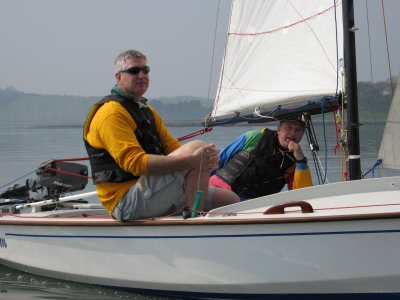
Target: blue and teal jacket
{"x": 256, "y": 167}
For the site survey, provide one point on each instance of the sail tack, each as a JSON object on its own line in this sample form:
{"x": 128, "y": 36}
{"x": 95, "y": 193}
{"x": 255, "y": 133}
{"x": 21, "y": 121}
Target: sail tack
{"x": 279, "y": 52}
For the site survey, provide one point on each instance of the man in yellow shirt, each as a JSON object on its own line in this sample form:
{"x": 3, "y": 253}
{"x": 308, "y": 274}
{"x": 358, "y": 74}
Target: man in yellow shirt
{"x": 139, "y": 168}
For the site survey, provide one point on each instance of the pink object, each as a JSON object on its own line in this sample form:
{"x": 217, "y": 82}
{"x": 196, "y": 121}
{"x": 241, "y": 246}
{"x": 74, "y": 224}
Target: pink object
{"x": 218, "y": 182}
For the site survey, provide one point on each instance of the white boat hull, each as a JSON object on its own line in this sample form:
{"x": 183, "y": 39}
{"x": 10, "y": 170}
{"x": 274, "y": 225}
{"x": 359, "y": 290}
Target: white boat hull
{"x": 329, "y": 251}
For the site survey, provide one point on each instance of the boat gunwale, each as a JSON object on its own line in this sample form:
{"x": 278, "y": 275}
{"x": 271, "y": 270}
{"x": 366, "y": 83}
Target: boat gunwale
{"x": 197, "y": 222}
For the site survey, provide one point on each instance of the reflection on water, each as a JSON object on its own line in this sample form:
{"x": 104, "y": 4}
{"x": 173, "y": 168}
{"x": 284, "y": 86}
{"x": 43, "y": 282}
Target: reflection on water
{"x": 23, "y": 286}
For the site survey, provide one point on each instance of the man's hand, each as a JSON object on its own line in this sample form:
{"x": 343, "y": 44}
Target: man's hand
{"x": 208, "y": 156}
{"x": 296, "y": 149}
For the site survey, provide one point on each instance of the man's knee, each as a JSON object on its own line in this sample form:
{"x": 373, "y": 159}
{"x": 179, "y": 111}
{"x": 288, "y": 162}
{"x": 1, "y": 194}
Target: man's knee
{"x": 189, "y": 147}
{"x": 193, "y": 145}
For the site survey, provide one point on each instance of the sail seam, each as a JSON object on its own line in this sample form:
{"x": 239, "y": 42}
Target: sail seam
{"x": 286, "y": 26}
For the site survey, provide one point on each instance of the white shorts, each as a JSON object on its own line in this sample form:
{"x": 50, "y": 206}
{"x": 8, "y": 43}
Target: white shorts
{"x": 155, "y": 196}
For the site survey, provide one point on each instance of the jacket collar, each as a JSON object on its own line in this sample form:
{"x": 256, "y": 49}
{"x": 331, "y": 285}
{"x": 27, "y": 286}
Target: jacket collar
{"x": 117, "y": 91}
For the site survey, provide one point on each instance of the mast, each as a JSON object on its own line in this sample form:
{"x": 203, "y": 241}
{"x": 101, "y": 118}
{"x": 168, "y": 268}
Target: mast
{"x": 351, "y": 87}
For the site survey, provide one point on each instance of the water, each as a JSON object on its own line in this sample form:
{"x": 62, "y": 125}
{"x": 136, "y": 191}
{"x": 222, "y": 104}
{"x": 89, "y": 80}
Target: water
{"x": 24, "y": 148}
{"x": 20, "y": 286}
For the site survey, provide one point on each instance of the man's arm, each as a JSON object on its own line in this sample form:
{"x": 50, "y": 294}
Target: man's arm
{"x": 302, "y": 176}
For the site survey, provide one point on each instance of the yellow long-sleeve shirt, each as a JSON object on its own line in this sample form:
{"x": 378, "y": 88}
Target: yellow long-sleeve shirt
{"x": 112, "y": 128}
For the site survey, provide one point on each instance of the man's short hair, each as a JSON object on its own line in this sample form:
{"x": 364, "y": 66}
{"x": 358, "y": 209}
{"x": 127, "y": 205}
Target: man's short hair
{"x": 120, "y": 61}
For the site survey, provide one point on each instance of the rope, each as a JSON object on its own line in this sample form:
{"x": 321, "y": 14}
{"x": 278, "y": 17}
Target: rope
{"x": 341, "y": 143}
{"x": 344, "y": 151}
{"x": 67, "y": 172}
{"x": 377, "y": 164}
{"x": 337, "y": 129}
{"x": 196, "y": 133}
{"x": 70, "y": 159}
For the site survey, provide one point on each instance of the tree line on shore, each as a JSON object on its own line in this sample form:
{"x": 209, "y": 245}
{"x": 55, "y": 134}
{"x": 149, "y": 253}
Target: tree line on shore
{"x": 18, "y": 107}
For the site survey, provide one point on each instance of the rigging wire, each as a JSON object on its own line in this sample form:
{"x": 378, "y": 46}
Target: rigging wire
{"x": 372, "y": 83}
{"x": 337, "y": 49}
{"x": 7, "y": 184}
{"x": 313, "y": 144}
{"x": 325, "y": 141}
{"x": 213, "y": 52}
{"x": 325, "y": 169}
{"x": 387, "y": 49}
{"x": 369, "y": 43}
{"x": 199, "y": 193}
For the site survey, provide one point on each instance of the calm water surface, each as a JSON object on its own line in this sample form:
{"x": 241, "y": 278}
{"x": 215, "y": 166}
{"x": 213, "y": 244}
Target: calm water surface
{"x": 24, "y": 148}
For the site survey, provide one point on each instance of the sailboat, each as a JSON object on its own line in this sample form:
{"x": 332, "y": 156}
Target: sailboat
{"x": 332, "y": 240}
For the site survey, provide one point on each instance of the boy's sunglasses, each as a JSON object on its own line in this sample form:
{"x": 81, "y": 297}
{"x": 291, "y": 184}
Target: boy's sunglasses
{"x": 136, "y": 70}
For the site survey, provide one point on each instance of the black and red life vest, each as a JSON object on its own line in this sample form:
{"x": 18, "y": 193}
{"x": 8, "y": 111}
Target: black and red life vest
{"x": 104, "y": 167}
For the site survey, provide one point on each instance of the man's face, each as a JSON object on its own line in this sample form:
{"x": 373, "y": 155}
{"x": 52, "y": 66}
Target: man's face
{"x": 133, "y": 84}
{"x": 290, "y": 131}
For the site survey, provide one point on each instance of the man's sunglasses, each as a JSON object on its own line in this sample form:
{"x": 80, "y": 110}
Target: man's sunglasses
{"x": 136, "y": 70}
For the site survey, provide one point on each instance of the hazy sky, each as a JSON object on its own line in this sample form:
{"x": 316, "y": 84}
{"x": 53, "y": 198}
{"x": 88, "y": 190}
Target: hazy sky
{"x": 69, "y": 46}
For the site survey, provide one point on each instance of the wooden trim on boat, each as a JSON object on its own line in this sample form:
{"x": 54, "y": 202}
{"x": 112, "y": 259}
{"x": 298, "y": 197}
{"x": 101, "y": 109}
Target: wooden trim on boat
{"x": 84, "y": 221}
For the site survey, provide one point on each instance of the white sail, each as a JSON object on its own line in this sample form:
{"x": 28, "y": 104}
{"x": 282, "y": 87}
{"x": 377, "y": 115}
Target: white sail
{"x": 279, "y": 52}
{"x": 390, "y": 145}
